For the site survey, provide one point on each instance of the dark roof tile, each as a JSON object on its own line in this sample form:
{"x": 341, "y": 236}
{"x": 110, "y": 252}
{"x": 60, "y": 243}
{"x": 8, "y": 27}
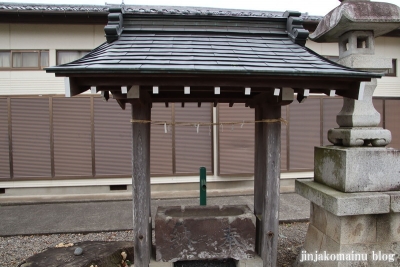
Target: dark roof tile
{"x": 250, "y": 48}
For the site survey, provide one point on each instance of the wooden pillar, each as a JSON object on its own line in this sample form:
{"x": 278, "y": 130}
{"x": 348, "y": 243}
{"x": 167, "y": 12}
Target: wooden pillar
{"x": 141, "y": 184}
{"x": 270, "y": 156}
{"x": 259, "y": 177}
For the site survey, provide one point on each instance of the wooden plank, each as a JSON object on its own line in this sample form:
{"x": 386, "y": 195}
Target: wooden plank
{"x": 302, "y": 94}
{"x": 72, "y": 88}
{"x": 223, "y": 80}
{"x": 121, "y": 104}
{"x": 287, "y": 94}
{"x": 356, "y": 94}
{"x": 259, "y": 172}
{"x": 271, "y": 158}
{"x": 141, "y": 183}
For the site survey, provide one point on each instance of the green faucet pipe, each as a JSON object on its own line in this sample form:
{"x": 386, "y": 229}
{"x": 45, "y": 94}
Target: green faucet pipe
{"x": 203, "y": 187}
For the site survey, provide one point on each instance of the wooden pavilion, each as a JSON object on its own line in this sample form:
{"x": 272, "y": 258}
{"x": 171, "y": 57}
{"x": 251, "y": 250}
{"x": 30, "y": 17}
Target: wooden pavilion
{"x": 220, "y": 57}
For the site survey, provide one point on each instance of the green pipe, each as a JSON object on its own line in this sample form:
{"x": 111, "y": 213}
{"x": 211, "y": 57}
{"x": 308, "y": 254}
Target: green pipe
{"x": 203, "y": 187}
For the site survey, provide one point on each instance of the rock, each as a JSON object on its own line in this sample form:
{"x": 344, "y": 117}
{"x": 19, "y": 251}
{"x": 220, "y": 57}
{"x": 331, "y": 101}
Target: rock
{"x": 78, "y": 251}
{"x": 204, "y": 233}
{"x": 100, "y": 253}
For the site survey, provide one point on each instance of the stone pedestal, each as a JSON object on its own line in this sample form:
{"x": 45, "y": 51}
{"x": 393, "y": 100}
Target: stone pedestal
{"x": 350, "y": 229}
{"x": 358, "y": 169}
{"x": 355, "y": 194}
{"x": 355, "y": 208}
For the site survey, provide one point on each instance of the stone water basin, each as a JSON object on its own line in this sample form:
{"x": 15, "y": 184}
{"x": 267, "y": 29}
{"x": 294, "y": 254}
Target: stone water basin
{"x": 204, "y": 232}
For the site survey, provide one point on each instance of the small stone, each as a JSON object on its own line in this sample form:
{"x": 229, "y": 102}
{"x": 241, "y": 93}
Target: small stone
{"x": 78, "y": 251}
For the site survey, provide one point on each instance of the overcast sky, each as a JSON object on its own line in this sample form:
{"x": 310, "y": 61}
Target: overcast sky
{"x": 313, "y": 7}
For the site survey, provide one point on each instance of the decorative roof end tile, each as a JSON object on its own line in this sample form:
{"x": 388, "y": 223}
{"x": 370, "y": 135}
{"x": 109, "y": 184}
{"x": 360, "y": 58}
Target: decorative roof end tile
{"x": 114, "y": 27}
{"x": 295, "y": 29}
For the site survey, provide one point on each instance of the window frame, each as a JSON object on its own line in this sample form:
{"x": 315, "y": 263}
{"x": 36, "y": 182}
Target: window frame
{"x": 39, "y": 65}
{"x": 70, "y": 50}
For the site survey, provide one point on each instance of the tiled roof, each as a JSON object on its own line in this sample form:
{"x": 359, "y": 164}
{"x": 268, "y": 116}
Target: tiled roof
{"x": 201, "y": 53}
{"x": 143, "y": 9}
{"x": 205, "y": 45}
{"x": 51, "y": 8}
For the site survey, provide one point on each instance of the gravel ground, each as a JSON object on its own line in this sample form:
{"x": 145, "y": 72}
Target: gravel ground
{"x": 291, "y": 239}
{"x": 15, "y": 249}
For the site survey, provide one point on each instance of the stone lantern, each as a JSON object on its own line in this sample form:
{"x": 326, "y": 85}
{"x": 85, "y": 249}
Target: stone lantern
{"x": 355, "y": 194}
{"x": 354, "y": 25}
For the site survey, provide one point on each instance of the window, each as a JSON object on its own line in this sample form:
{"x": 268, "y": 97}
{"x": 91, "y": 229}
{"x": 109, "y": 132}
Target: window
{"x": 393, "y": 71}
{"x": 69, "y": 56}
{"x": 5, "y": 59}
{"x": 24, "y": 59}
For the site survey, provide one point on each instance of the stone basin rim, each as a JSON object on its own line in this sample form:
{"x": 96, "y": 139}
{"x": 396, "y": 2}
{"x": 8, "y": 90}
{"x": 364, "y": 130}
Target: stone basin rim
{"x": 204, "y": 211}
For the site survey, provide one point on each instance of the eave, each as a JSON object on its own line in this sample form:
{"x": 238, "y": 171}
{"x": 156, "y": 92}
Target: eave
{"x": 202, "y": 87}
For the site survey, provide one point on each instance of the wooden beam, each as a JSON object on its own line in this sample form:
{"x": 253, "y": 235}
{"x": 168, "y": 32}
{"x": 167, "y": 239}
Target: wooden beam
{"x": 347, "y": 87}
{"x": 121, "y": 104}
{"x": 329, "y": 92}
{"x": 105, "y": 95}
{"x": 271, "y": 148}
{"x": 287, "y": 94}
{"x": 222, "y": 80}
{"x": 73, "y": 88}
{"x": 285, "y": 97}
{"x": 141, "y": 183}
{"x": 259, "y": 178}
{"x": 134, "y": 92}
{"x": 353, "y": 94}
{"x": 200, "y": 96}
{"x": 302, "y": 95}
